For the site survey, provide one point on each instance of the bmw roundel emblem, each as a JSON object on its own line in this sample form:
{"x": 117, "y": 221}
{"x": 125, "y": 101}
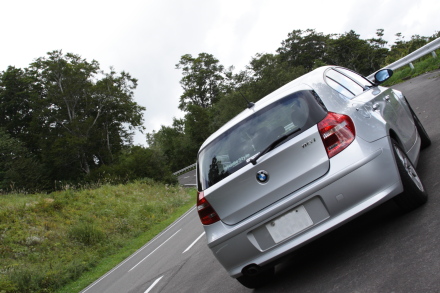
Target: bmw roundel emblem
{"x": 262, "y": 176}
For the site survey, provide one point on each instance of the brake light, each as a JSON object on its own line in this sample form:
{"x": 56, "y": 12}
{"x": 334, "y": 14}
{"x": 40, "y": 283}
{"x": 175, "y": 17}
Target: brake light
{"x": 207, "y": 214}
{"x": 337, "y": 132}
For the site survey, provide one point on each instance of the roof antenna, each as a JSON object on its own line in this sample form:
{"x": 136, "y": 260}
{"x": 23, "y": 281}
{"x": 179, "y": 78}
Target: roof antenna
{"x": 249, "y": 104}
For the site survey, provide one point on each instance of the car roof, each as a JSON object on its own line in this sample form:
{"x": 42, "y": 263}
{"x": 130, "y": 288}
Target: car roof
{"x": 303, "y": 82}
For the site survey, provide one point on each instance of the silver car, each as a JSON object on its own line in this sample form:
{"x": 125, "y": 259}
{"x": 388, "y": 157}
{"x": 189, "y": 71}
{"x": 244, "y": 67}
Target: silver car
{"x": 303, "y": 160}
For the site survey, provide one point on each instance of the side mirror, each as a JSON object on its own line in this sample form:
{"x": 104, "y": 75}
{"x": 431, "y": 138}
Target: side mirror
{"x": 382, "y": 75}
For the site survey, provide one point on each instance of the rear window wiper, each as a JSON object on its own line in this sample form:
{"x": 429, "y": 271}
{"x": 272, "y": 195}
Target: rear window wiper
{"x": 272, "y": 146}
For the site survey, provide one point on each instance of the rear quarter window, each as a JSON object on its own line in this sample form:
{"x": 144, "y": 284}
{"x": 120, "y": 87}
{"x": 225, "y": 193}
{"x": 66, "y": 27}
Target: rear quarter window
{"x": 347, "y": 82}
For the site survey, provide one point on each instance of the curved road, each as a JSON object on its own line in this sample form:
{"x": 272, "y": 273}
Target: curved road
{"x": 188, "y": 179}
{"x": 381, "y": 251}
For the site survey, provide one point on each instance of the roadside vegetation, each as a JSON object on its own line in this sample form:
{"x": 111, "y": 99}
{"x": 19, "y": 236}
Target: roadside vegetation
{"x": 65, "y": 121}
{"x": 50, "y": 240}
{"x": 426, "y": 64}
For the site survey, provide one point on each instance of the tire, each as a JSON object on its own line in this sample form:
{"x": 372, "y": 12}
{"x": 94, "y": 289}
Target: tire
{"x": 424, "y": 137}
{"x": 414, "y": 193}
{"x": 257, "y": 280}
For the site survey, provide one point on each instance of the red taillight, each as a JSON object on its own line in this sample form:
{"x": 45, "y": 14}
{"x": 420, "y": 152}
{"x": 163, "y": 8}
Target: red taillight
{"x": 207, "y": 214}
{"x": 337, "y": 132}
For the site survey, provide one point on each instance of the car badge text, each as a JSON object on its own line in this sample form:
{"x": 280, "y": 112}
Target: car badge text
{"x": 308, "y": 143}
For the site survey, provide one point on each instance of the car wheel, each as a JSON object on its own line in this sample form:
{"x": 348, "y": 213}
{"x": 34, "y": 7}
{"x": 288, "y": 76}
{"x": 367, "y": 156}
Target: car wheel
{"x": 257, "y": 280}
{"x": 414, "y": 193}
{"x": 424, "y": 137}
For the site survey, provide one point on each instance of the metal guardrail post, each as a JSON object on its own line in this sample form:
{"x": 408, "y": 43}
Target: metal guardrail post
{"x": 186, "y": 169}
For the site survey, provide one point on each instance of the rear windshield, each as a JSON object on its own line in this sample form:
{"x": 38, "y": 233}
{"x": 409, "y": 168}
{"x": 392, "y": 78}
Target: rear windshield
{"x": 232, "y": 150}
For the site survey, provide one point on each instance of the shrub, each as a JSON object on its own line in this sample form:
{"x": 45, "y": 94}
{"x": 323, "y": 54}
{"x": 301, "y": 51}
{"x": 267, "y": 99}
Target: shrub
{"x": 86, "y": 233}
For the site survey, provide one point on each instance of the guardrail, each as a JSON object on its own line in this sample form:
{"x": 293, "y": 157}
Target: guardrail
{"x": 186, "y": 169}
{"x": 408, "y": 59}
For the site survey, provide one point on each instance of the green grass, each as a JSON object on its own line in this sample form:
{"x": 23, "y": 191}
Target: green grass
{"x": 106, "y": 264}
{"x": 423, "y": 65}
{"x": 63, "y": 241}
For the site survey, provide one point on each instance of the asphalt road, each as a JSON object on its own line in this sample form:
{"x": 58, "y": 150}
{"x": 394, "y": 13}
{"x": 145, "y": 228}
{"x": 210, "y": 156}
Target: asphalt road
{"x": 188, "y": 179}
{"x": 381, "y": 251}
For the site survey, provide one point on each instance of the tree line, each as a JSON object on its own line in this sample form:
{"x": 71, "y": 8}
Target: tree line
{"x": 213, "y": 93}
{"x": 63, "y": 120}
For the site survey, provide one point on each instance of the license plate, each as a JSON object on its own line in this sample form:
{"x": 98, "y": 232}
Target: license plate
{"x": 289, "y": 224}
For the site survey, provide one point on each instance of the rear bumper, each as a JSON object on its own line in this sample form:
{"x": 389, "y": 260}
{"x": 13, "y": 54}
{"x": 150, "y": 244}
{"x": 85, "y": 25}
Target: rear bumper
{"x": 360, "y": 178}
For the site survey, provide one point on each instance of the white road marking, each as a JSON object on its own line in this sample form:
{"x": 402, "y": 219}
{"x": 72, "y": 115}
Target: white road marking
{"x": 139, "y": 250}
{"x": 192, "y": 244}
{"x": 155, "y": 250}
{"x": 152, "y": 285}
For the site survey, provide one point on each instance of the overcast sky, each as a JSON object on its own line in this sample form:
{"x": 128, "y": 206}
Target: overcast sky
{"x": 147, "y": 37}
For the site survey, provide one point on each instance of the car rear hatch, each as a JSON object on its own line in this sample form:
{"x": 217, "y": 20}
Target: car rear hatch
{"x": 236, "y": 186}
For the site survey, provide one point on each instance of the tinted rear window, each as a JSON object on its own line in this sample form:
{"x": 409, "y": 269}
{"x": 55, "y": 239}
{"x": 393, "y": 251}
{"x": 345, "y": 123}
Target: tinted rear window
{"x": 232, "y": 150}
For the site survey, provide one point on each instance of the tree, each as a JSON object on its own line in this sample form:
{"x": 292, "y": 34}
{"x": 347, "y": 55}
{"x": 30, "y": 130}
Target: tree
{"x": 81, "y": 117}
{"x": 268, "y": 73}
{"x": 197, "y": 124}
{"x": 118, "y": 115}
{"x": 401, "y": 48}
{"x": 350, "y": 51}
{"x": 18, "y": 93}
{"x": 434, "y": 36}
{"x": 378, "y": 42}
{"x": 377, "y": 52}
{"x": 303, "y": 48}
{"x": 69, "y": 113}
{"x": 202, "y": 80}
{"x": 19, "y": 169}
{"x": 175, "y": 145}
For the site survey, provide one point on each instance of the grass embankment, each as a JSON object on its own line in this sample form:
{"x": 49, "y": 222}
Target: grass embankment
{"x": 425, "y": 64}
{"x": 63, "y": 241}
